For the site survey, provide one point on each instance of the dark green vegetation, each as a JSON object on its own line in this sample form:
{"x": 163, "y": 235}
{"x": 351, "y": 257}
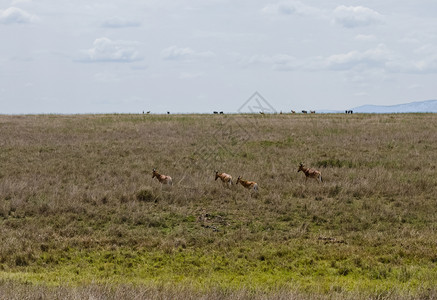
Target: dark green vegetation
{"x": 80, "y": 213}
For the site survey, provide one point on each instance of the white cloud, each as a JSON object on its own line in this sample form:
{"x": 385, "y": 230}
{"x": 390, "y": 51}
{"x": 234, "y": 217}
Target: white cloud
{"x": 13, "y": 15}
{"x": 376, "y": 57}
{"x": 365, "y": 37}
{"x": 188, "y": 54}
{"x": 288, "y": 8}
{"x": 117, "y": 22}
{"x": 278, "y": 62}
{"x": 15, "y": 2}
{"x": 425, "y": 65}
{"x": 356, "y": 16}
{"x": 424, "y": 61}
{"x": 107, "y": 50}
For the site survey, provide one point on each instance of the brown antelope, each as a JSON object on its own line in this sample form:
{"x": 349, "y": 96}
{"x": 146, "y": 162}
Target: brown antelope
{"x": 225, "y": 178}
{"x": 163, "y": 179}
{"x": 312, "y": 111}
{"x": 251, "y": 185}
{"x": 312, "y": 173}
{"x": 293, "y": 111}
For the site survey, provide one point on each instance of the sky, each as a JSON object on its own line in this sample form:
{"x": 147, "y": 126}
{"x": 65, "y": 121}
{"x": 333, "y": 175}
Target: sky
{"x": 197, "y": 56}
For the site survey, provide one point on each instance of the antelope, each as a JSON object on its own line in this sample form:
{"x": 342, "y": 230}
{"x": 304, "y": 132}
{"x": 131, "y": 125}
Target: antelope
{"x": 293, "y": 111}
{"x": 309, "y": 172}
{"x": 163, "y": 179}
{"x": 251, "y": 185}
{"x": 215, "y": 112}
{"x": 225, "y": 178}
{"x": 261, "y": 112}
{"x": 304, "y": 112}
{"x": 312, "y": 111}
{"x": 221, "y": 113}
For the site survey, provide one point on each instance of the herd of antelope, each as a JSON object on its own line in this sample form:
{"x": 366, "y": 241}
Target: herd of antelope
{"x": 252, "y": 186}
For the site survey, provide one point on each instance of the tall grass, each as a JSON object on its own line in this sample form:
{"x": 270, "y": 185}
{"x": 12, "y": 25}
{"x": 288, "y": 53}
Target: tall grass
{"x": 78, "y": 205}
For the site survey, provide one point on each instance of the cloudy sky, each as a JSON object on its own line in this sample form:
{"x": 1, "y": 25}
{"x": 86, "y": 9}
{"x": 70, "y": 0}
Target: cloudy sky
{"x": 204, "y": 55}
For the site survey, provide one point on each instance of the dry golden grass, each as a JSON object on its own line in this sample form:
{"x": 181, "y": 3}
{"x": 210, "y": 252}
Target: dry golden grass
{"x": 78, "y": 203}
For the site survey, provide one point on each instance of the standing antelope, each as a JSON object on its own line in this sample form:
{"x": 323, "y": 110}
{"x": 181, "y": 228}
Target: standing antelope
{"x": 309, "y": 172}
{"x": 251, "y": 185}
{"x": 225, "y": 178}
{"x": 163, "y": 179}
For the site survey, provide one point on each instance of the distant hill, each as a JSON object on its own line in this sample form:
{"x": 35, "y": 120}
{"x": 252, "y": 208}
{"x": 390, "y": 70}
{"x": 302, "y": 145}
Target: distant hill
{"x": 429, "y": 106}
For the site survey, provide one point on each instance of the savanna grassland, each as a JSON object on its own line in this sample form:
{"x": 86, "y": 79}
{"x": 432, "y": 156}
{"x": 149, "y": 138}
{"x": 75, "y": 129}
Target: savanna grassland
{"x": 81, "y": 216}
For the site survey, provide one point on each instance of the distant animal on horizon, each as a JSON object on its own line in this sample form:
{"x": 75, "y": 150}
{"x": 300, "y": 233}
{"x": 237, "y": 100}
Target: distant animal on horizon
{"x": 168, "y": 113}
{"x": 221, "y": 113}
{"x": 349, "y": 111}
{"x": 261, "y": 112}
{"x": 215, "y": 112}
{"x": 225, "y": 178}
{"x": 148, "y": 112}
{"x": 304, "y": 112}
{"x": 250, "y": 185}
{"x": 312, "y": 111}
{"x": 293, "y": 111}
{"x": 311, "y": 173}
{"x": 163, "y": 179}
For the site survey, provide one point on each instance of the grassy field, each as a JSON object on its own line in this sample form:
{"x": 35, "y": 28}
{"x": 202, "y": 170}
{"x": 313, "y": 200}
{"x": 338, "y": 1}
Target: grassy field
{"x": 81, "y": 216}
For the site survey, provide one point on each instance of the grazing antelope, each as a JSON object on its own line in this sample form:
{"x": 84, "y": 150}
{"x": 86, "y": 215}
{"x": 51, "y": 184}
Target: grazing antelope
{"x": 215, "y": 112}
{"x": 312, "y": 173}
{"x": 226, "y": 178}
{"x": 293, "y": 111}
{"x": 312, "y": 111}
{"x": 251, "y": 185}
{"x": 304, "y": 112}
{"x": 163, "y": 179}
{"x": 221, "y": 113}
{"x": 148, "y": 112}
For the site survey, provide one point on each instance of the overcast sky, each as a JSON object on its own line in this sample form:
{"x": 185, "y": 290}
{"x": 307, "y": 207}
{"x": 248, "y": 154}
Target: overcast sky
{"x": 204, "y": 55}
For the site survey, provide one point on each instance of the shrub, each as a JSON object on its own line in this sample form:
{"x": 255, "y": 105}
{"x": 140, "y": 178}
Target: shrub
{"x": 146, "y": 195}
{"x": 334, "y": 163}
